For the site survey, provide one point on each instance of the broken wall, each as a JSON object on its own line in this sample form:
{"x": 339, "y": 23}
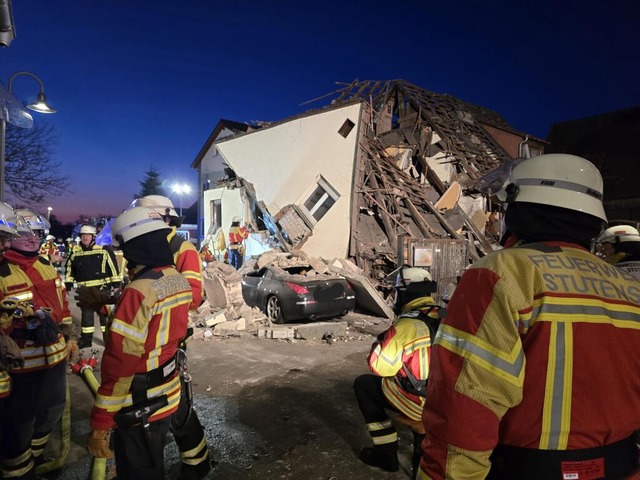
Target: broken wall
{"x": 285, "y": 164}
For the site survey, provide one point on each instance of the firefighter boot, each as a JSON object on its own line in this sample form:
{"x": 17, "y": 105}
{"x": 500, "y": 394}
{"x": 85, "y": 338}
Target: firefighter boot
{"x": 85, "y": 341}
{"x": 383, "y": 456}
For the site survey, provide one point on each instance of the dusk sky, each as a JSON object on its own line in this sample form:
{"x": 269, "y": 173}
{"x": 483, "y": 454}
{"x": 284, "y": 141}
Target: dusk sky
{"x": 140, "y": 83}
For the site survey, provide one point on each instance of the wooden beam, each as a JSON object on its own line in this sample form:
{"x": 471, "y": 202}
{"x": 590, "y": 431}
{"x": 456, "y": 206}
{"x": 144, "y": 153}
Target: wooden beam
{"x": 420, "y": 222}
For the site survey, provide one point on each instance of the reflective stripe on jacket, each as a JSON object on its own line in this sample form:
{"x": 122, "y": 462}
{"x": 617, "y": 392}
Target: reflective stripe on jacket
{"x": 149, "y": 320}
{"x": 92, "y": 266}
{"x": 187, "y": 260}
{"x": 34, "y": 279}
{"x": 236, "y": 235}
{"x": 538, "y": 350}
{"x": 5, "y": 384}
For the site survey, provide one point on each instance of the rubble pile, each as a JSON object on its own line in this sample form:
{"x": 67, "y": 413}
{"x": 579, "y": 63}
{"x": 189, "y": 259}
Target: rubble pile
{"x": 224, "y": 312}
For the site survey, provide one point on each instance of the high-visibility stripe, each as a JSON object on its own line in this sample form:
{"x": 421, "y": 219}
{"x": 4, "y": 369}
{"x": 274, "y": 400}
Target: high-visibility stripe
{"x": 128, "y": 331}
{"x": 507, "y": 365}
{"x": 556, "y": 413}
{"x": 391, "y": 438}
{"x": 5, "y": 384}
{"x": 588, "y": 311}
{"x": 375, "y": 426}
{"x": 194, "y": 456}
{"x": 398, "y": 399}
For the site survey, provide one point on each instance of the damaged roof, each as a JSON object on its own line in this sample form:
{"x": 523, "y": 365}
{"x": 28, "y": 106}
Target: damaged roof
{"x": 407, "y": 134}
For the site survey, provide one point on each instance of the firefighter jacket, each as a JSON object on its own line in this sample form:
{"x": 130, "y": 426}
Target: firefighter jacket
{"x": 149, "y": 320}
{"x": 187, "y": 260}
{"x": 626, "y": 261}
{"x": 92, "y": 266}
{"x": 5, "y": 384}
{"x": 401, "y": 356}
{"x": 35, "y": 280}
{"x": 48, "y": 249}
{"x": 237, "y": 234}
{"x": 539, "y": 349}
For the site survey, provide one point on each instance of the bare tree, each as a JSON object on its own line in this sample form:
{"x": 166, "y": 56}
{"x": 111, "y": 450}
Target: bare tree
{"x": 31, "y": 174}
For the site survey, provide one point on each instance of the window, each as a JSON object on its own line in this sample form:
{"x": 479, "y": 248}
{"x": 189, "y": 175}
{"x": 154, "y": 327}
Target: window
{"x": 346, "y": 128}
{"x": 319, "y": 201}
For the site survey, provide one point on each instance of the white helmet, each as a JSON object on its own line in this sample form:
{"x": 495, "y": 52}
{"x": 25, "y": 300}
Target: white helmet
{"x": 7, "y": 222}
{"x": 33, "y": 220}
{"x": 159, "y": 203}
{"x": 90, "y": 229}
{"x": 235, "y": 219}
{"x": 50, "y": 238}
{"x": 135, "y": 222}
{"x": 556, "y": 179}
{"x": 619, "y": 234}
{"x": 408, "y": 275}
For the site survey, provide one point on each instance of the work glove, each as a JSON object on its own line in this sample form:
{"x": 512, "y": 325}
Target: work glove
{"x": 92, "y": 298}
{"x": 10, "y": 355}
{"x": 98, "y": 444}
{"x": 72, "y": 351}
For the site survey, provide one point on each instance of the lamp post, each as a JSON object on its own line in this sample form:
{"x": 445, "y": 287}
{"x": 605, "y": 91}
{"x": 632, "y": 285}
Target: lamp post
{"x": 49, "y": 212}
{"x": 180, "y": 189}
{"x": 40, "y": 106}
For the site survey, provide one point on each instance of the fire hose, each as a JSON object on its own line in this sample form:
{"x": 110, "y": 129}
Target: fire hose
{"x": 84, "y": 369}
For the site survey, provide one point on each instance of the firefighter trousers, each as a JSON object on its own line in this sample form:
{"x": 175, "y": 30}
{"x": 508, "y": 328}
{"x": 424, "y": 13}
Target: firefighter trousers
{"x": 139, "y": 453}
{"x": 35, "y": 404}
{"x": 189, "y": 435}
{"x": 87, "y": 324}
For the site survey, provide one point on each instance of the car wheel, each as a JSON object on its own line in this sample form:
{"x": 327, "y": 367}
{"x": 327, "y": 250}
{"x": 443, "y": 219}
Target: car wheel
{"x": 274, "y": 310}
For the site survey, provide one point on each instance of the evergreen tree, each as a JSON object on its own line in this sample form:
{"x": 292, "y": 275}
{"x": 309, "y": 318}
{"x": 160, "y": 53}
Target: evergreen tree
{"x": 151, "y": 185}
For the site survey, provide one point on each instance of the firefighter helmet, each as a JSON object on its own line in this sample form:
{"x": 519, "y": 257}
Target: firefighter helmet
{"x": 35, "y": 223}
{"x": 619, "y": 234}
{"x": 135, "y": 222}
{"x": 235, "y": 219}
{"x": 7, "y": 226}
{"x": 50, "y": 238}
{"x": 88, "y": 229}
{"x": 159, "y": 203}
{"x": 412, "y": 283}
{"x": 556, "y": 179}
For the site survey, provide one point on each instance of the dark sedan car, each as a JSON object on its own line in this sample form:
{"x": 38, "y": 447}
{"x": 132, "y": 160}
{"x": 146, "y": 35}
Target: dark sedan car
{"x": 297, "y": 292}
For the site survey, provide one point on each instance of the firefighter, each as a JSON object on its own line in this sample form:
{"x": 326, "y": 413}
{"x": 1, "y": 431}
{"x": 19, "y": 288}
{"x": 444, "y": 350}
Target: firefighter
{"x": 37, "y": 399}
{"x": 535, "y": 371}
{"x": 399, "y": 360}
{"x": 49, "y": 248}
{"x": 186, "y": 256}
{"x": 91, "y": 265}
{"x": 9, "y": 353}
{"x": 620, "y": 246}
{"x": 186, "y": 426}
{"x": 237, "y": 236}
{"x": 140, "y": 385}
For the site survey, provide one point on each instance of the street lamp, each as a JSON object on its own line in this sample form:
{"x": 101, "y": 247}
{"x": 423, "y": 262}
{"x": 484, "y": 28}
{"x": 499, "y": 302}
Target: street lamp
{"x": 49, "y": 212}
{"x": 40, "y": 106}
{"x": 180, "y": 189}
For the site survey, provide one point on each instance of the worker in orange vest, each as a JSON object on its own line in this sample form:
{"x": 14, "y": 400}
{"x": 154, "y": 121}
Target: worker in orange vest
{"x": 237, "y": 235}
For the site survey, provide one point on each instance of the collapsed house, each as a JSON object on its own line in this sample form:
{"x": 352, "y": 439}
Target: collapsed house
{"x": 382, "y": 175}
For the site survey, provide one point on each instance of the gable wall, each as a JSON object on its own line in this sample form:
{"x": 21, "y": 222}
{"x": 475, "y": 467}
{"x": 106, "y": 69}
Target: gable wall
{"x": 284, "y": 162}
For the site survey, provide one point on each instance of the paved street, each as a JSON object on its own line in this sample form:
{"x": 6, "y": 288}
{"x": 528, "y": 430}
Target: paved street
{"x": 272, "y": 409}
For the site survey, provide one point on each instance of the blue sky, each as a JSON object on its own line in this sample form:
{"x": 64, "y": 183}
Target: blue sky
{"x": 140, "y": 83}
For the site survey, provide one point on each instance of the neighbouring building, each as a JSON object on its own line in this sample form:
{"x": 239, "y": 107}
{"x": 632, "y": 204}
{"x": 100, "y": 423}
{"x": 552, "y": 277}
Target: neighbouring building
{"x": 609, "y": 141}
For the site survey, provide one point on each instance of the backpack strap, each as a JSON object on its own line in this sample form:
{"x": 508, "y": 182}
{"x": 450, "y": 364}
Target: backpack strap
{"x": 175, "y": 243}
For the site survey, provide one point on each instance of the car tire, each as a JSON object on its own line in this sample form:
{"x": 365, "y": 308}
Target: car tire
{"x": 273, "y": 309}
